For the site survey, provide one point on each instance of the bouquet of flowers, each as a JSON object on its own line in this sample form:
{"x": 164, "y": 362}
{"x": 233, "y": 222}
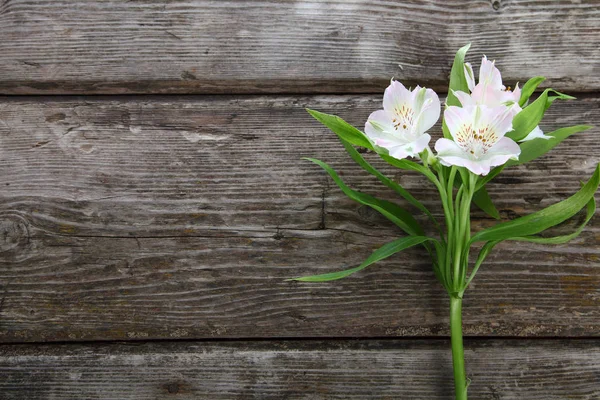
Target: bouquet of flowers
{"x": 486, "y": 127}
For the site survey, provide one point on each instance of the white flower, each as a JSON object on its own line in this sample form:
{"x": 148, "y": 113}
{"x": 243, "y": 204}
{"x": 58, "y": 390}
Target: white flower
{"x": 400, "y": 127}
{"x": 490, "y": 92}
{"x": 479, "y": 143}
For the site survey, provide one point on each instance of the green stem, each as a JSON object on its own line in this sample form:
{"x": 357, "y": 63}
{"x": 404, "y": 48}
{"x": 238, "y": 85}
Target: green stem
{"x": 458, "y": 353}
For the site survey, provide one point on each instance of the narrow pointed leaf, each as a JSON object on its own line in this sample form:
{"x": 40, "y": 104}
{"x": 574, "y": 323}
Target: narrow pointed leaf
{"x": 399, "y": 216}
{"x": 383, "y": 252}
{"x": 529, "y": 88}
{"x": 535, "y": 148}
{"x": 590, "y": 211}
{"x": 541, "y": 220}
{"x": 344, "y": 130}
{"x": 355, "y": 155}
{"x": 457, "y": 76}
{"x": 483, "y": 253}
{"x": 482, "y": 199}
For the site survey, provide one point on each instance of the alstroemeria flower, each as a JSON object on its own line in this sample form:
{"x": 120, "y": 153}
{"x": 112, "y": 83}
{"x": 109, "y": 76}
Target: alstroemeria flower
{"x": 479, "y": 143}
{"x": 490, "y": 92}
{"x": 400, "y": 127}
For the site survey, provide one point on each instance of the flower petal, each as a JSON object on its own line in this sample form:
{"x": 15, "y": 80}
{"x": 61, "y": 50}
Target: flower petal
{"x": 457, "y": 117}
{"x": 501, "y": 152}
{"x": 488, "y": 96}
{"x": 464, "y": 98}
{"x": 411, "y": 149}
{"x": 395, "y": 95}
{"x": 421, "y": 143}
{"x": 536, "y": 133}
{"x": 504, "y": 147}
{"x": 428, "y": 109}
{"x": 448, "y": 147}
{"x": 499, "y": 119}
{"x": 398, "y": 152}
{"x": 449, "y": 153}
{"x": 469, "y": 76}
{"x": 379, "y": 129}
{"x": 515, "y": 95}
{"x": 489, "y": 75}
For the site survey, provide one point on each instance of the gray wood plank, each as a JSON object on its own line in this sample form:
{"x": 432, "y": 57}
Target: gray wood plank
{"x": 499, "y": 369}
{"x": 180, "y": 217}
{"x": 337, "y": 46}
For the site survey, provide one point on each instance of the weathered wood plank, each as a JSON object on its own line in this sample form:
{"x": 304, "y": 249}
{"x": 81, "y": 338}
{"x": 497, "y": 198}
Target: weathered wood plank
{"x": 337, "y": 46}
{"x": 499, "y": 369}
{"x": 180, "y": 217}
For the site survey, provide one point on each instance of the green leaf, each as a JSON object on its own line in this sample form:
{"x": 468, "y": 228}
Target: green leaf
{"x": 535, "y": 148}
{"x": 391, "y": 211}
{"x": 528, "y": 118}
{"x": 341, "y": 128}
{"x": 482, "y": 199}
{"x": 488, "y": 246}
{"x": 529, "y": 88}
{"x": 541, "y": 220}
{"x": 383, "y": 252}
{"x": 559, "y": 96}
{"x": 457, "y": 76}
{"x": 590, "y": 211}
{"x": 483, "y": 253}
{"x": 384, "y": 179}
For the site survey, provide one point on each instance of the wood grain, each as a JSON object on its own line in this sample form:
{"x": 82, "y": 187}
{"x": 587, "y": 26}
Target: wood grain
{"x": 391, "y": 369}
{"x": 180, "y": 217}
{"x": 338, "y": 46}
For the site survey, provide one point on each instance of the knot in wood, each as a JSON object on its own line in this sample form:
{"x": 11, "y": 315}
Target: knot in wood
{"x": 13, "y": 232}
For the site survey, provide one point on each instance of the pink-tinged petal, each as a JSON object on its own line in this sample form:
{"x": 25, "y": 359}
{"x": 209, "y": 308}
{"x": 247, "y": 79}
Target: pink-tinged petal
{"x": 457, "y": 117}
{"x": 449, "y": 153}
{"x": 398, "y": 152}
{"x": 489, "y": 75}
{"x": 488, "y": 96}
{"x": 515, "y": 95}
{"x": 411, "y": 149}
{"x": 499, "y": 119}
{"x": 380, "y": 119}
{"x": 395, "y": 95}
{"x": 494, "y": 161}
{"x": 421, "y": 143}
{"x": 504, "y": 147}
{"x": 379, "y": 127}
{"x": 475, "y": 166}
{"x": 478, "y": 167}
{"x": 464, "y": 98}
{"x": 428, "y": 112}
{"x": 536, "y": 133}
{"x": 448, "y": 147}
{"x": 469, "y": 76}
{"x": 380, "y": 138}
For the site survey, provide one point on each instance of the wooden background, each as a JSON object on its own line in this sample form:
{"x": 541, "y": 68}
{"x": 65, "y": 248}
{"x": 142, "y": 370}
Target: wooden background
{"x": 153, "y": 200}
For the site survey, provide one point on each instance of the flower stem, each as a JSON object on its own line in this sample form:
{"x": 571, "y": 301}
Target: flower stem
{"x": 458, "y": 354}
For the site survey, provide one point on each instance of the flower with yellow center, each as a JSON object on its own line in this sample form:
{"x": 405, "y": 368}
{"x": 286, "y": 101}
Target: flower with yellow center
{"x": 490, "y": 91}
{"x": 478, "y": 138}
{"x": 400, "y": 127}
